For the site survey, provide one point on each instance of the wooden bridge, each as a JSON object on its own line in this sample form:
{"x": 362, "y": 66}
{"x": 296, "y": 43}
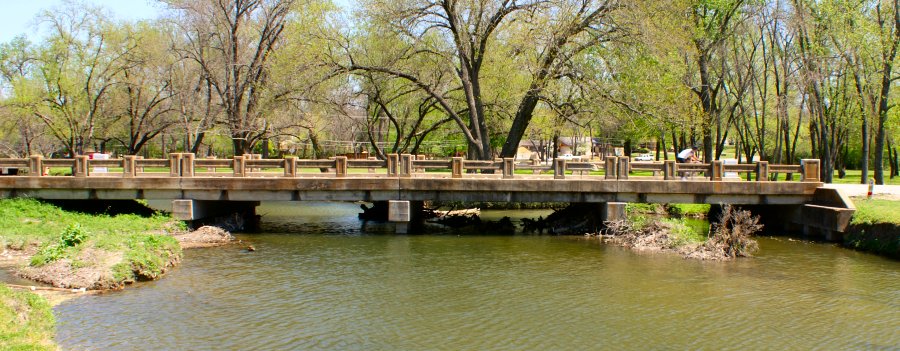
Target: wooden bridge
{"x": 193, "y": 182}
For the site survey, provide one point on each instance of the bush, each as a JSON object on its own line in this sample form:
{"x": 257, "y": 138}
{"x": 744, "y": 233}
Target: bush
{"x": 732, "y": 234}
{"x": 72, "y": 236}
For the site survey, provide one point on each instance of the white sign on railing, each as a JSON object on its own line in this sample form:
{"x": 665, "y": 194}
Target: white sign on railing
{"x": 99, "y": 156}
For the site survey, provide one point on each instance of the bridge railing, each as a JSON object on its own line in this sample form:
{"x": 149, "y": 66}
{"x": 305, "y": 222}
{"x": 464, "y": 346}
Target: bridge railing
{"x": 614, "y": 168}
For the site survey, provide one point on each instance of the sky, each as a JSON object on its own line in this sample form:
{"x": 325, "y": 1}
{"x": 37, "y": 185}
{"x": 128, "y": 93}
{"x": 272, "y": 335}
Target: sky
{"x": 17, "y": 17}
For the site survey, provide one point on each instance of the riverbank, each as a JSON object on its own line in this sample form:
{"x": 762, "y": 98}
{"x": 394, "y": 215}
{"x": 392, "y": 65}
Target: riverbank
{"x": 666, "y": 229}
{"x": 77, "y": 254}
{"x": 85, "y": 251}
{"x": 875, "y": 227}
{"x": 26, "y": 321}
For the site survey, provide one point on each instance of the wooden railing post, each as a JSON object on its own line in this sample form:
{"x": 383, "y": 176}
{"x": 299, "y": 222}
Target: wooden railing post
{"x": 456, "y": 167}
{"x": 340, "y": 166}
{"x": 762, "y": 171}
{"x": 612, "y": 167}
{"x": 36, "y": 166}
{"x": 82, "y": 169}
{"x": 624, "y": 167}
{"x": 559, "y": 168}
{"x": 239, "y": 166}
{"x": 406, "y": 165}
{"x": 187, "y": 165}
{"x": 129, "y": 166}
{"x": 393, "y": 165}
{"x": 509, "y": 168}
{"x": 716, "y": 171}
{"x": 290, "y": 167}
{"x": 174, "y": 165}
{"x": 810, "y": 170}
{"x": 669, "y": 170}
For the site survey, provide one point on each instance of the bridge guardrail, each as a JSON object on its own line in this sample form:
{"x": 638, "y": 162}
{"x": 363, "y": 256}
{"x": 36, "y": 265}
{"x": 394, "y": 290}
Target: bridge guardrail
{"x": 615, "y": 168}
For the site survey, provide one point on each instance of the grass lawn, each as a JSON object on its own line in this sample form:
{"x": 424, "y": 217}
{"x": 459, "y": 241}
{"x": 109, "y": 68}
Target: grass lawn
{"x": 26, "y": 321}
{"x": 78, "y": 237}
{"x": 876, "y": 211}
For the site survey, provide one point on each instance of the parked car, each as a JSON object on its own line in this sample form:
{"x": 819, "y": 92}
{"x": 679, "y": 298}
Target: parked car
{"x": 643, "y": 157}
{"x": 569, "y": 157}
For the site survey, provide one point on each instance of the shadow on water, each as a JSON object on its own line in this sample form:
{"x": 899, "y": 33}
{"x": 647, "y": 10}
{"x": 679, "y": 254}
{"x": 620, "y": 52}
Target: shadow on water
{"x": 319, "y": 282}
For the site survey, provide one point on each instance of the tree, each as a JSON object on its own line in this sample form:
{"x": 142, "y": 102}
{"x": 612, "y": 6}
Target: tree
{"x": 233, "y": 41}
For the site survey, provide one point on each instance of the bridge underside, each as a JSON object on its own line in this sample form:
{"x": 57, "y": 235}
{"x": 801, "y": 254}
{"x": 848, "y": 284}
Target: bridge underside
{"x": 410, "y": 189}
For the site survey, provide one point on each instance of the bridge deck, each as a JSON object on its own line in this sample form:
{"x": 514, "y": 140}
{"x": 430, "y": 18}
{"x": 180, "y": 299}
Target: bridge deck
{"x": 403, "y": 177}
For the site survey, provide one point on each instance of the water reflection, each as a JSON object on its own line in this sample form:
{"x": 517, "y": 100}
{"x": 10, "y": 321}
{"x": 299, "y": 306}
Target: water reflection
{"x": 330, "y": 286}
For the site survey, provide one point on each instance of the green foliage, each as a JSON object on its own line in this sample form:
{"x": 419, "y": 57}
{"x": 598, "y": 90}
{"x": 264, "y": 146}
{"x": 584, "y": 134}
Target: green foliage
{"x": 145, "y": 255}
{"x": 73, "y": 236}
{"x": 31, "y": 221}
{"x": 876, "y": 211}
{"x": 693, "y": 210}
{"x": 149, "y": 255}
{"x": 26, "y": 321}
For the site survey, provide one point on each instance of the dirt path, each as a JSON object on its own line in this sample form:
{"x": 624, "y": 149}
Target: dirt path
{"x": 886, "y": 192}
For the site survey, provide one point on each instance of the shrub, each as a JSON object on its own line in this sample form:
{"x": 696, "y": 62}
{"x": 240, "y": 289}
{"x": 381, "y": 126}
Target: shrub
{"x": 732, "y": 234}
{"x": 72, "y": 236}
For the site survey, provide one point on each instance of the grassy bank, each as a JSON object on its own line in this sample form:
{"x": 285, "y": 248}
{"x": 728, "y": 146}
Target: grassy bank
{"x": 76, "y": 250}
{"x": 875, "y": 228}
{"x": 26, "y": 321}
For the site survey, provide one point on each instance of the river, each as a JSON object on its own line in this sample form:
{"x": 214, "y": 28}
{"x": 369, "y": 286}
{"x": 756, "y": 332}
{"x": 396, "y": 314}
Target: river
{"x": 320, "y": 281}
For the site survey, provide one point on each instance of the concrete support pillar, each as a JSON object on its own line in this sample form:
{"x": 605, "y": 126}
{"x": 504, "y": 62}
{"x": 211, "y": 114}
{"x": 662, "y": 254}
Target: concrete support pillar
{"x": 509, "y": 168}
{"x": 340, "y": 166}
{"x": 612, "y": 167}
{"x": 406, "y": 215}
{"x": 718, "y": 169}
{"x": 406, "y": 165}
{"x": 175, "y": 165}
{"x": 290, "y": 167}
{"x": 456, "y": 167}
{"x": 559, "y": 168}
{"x": 36, "y": 166}
{"x": 613, "y": 211}
{"x": 82, "y": 169}
{"x": 535, "y": 162}
{"x": 762, "y": 171}
{"x": 129, "y": 166}
{"x": 239, "y": 166}
{"x": 669, "y": 170}
{"x": 393, "y": 165}
{"x": 624, "y": 167}
{"x": 187, "y": 165}
{"x": 810, "y": 170}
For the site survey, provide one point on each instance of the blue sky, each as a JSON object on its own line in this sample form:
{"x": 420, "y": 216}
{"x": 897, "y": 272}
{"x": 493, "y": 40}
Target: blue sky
{"x": 17, "y": 17}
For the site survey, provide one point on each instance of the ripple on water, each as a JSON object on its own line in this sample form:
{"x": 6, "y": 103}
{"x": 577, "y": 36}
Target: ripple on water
{"x": 343, "y": 291}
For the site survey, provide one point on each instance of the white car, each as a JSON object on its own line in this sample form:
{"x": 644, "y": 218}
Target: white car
{"x": 643, "y": 158}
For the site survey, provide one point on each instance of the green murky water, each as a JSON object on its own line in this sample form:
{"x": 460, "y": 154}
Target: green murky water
{"x": 320, "y": 280}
